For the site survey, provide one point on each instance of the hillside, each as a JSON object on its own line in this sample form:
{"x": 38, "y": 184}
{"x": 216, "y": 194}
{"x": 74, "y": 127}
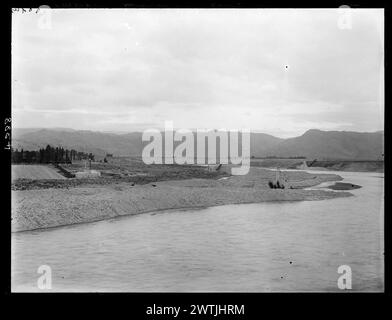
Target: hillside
{"x": 86, "y": 141}
{"x": 314, "y": 144}
{"x": 333, "y": 145}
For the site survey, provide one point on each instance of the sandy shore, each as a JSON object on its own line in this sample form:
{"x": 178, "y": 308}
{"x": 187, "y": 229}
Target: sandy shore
{"x": 45, "y": 208}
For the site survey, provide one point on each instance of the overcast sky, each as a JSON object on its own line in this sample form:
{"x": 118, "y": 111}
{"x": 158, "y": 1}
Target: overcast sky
{"x": 280, "y": 72}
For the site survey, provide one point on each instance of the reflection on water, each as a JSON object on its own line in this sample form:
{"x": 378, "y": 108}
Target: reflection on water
{"x": 295, "y": 246}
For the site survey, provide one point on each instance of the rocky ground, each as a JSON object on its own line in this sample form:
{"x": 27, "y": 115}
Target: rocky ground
{"x": 36, "y": 208}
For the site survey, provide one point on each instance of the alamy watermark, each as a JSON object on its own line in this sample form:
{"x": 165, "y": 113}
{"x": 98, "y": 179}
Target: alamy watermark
{"x": 44, "y": 281}
{"x": 184, "y": 146}
{"x": 345, "y": 280}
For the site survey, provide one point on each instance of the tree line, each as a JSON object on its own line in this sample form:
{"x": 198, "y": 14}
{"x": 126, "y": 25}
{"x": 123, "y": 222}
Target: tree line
{"x": 49, "y": 155}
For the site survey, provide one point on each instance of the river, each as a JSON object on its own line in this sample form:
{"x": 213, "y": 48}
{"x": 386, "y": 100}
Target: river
{"x": 276, "y": 246}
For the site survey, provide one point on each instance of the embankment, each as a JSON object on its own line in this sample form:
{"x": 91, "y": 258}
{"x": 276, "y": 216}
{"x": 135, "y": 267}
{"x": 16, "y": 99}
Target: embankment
{"x": 332, "y": 165}
{"x": 357, "y": 166}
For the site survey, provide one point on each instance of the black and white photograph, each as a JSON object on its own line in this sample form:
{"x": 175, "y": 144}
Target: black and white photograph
{"x": 195, "y": 150}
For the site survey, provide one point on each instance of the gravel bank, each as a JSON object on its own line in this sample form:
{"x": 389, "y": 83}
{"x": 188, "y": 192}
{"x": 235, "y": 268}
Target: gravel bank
{"x": 45, "y": 208}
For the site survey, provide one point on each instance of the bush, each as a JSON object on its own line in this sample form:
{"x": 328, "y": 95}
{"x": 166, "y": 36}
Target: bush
{"x": 278, "y": 185}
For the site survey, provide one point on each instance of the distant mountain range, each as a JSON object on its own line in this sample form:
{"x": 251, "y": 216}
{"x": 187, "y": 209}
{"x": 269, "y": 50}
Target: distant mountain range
{"x": 315, "y": 144}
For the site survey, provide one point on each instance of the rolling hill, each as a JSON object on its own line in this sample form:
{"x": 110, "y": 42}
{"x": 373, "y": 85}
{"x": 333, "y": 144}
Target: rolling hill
{"x": 317, "y": 144}
{"x": 333, "y": 145}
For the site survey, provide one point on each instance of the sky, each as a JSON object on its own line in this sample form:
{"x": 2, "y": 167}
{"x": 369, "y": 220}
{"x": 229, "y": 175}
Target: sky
{"x": 275, "y": 71}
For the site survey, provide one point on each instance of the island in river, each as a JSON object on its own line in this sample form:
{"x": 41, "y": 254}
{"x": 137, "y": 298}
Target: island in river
{"x": 343, "y": 186}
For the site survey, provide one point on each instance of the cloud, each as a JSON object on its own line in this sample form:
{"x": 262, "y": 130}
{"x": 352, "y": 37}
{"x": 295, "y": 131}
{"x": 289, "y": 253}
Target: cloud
{"x": 261, "y": 69}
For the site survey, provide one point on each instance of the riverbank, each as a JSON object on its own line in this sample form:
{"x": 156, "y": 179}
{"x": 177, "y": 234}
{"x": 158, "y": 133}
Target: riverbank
{"x": 53, "y": 207}
{"x": 320, "y": 165}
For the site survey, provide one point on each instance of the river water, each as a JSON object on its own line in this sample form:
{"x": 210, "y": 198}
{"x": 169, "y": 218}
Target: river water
{"x": 277, "y": 246}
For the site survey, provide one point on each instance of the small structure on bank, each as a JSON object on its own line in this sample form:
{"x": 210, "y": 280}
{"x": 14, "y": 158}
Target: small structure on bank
{"x": 108, "y": 157}
{"x": 214, "y": 167}
{"x": 87, "y": 172}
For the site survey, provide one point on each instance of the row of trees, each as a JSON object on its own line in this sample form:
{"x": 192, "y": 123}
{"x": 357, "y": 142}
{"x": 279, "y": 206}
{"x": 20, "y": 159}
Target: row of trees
{"x": 49, "y": 155}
